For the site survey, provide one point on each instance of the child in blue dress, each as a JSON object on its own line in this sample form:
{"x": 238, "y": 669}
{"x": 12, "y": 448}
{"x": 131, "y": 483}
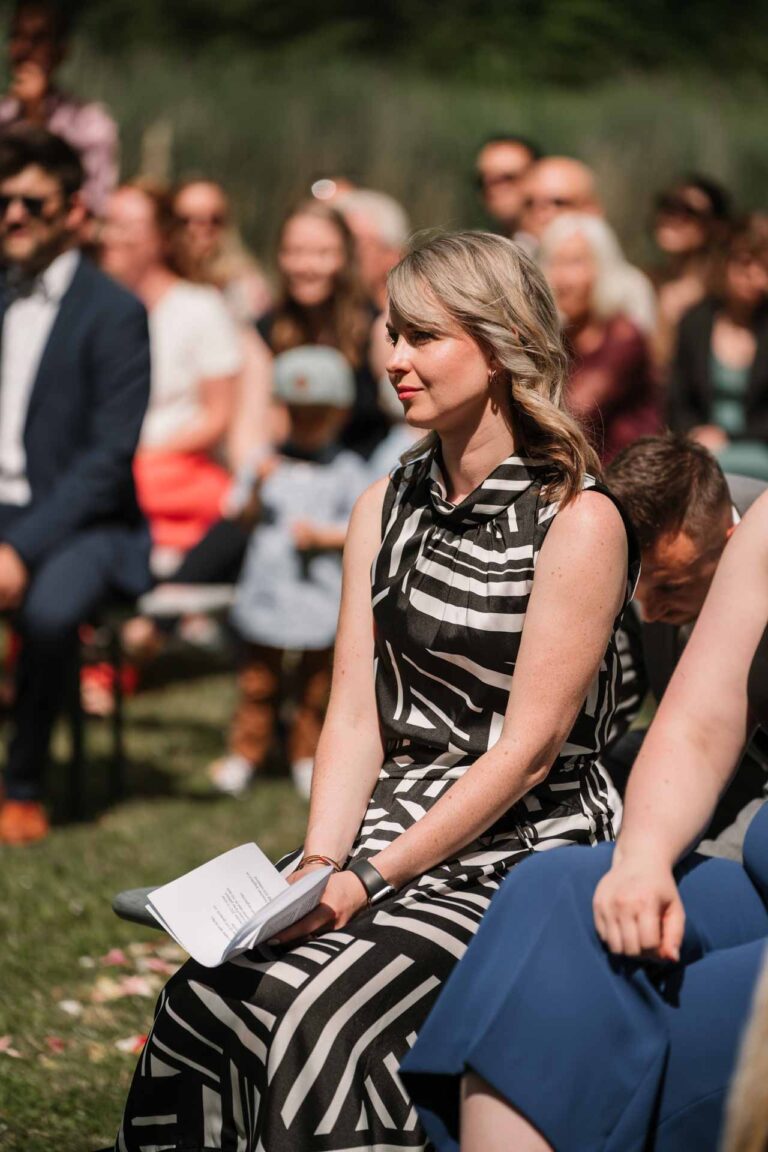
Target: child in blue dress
{"x": 288, "y": 593}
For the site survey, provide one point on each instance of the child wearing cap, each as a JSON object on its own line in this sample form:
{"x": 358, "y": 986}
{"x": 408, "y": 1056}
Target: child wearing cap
{"x": 288, "y": 593}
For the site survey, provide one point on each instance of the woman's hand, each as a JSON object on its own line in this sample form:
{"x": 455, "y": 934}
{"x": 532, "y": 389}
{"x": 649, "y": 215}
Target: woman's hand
{"x": 638, "y": 911}
{"x": 343, "y": 898}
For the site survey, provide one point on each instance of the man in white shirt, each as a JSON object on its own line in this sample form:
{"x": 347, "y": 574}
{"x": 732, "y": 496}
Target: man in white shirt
{"x": 74, "y": 384}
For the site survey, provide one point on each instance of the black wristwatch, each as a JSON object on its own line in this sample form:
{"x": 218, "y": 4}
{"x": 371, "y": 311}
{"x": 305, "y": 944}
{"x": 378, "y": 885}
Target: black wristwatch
{"x": 376, "y": 887}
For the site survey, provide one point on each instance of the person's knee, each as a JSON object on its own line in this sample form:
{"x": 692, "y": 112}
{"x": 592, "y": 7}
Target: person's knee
{"x": 48, "y": 619}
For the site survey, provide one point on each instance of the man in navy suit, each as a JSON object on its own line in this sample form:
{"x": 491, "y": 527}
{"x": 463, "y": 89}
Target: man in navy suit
{"x": 74, "y": 386}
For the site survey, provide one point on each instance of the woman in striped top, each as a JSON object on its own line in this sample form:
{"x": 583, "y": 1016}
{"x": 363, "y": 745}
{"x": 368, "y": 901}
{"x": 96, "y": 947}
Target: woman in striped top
{"x": 474, "y": 683}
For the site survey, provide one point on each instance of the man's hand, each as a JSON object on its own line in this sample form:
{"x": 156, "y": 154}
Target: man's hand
{"x": 14, "y": 578}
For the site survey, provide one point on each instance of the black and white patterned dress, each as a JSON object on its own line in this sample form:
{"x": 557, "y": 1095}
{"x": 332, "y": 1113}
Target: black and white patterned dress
{"x": 299, "y": 1051}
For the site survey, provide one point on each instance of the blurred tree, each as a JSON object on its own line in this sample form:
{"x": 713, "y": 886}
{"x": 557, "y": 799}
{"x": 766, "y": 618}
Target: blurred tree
{"x": 555, "y": 41}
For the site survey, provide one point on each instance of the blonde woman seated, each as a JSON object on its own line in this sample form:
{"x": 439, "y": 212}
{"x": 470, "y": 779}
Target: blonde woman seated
{"x": 469, "y": 703}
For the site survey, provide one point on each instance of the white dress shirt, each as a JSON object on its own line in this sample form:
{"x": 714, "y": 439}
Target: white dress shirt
{"x": 26, "y": 328}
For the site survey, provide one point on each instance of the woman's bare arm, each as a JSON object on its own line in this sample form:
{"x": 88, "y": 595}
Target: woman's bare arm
{"x": 350, "y": 752}
{"x": 691, "y": 751}
{"x": 250, "y": 425}
{"x": 209, "y": 427}
{"x": 698, "y": 734}
{"x": 577, "y": 594}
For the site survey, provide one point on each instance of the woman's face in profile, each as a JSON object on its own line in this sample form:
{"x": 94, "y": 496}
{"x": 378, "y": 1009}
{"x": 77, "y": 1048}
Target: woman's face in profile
{"x": 572, "y": 274}
{"x": 310, "y": 257}
{"x": 440, "y": 374}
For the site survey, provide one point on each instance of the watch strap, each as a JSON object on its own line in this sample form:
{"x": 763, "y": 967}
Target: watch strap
{"x": 376, "y": 887}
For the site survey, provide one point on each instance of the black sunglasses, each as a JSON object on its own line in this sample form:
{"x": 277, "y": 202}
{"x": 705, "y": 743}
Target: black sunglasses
{"x": 484, "y": 182}
{"x": 671, "y": 205}
{"x": 33, "y": 205}
{"x": 559, "y": 202}
{"x": 214, "y": 220}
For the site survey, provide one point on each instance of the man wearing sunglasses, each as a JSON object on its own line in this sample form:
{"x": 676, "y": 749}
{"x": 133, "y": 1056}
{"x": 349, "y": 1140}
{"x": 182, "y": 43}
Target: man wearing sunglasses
{"x": 74, "y": 386}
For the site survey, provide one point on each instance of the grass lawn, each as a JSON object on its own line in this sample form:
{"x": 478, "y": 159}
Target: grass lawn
{"x": 62, "y": 1077}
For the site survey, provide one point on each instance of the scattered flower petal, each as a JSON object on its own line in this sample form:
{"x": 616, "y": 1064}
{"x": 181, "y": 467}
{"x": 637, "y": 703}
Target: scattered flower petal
{"x": 87, "y": 962}
{"x": 71, "y": 1007}
{"x": 115, "y": 958}
{"x": 6, "y": 1048}
{"x": 139, "y": 985}
{"x": 155, "y": 964}
{"x": 133, "y": 1045}
{"x": 106, "y": 989}
{"x": 55, "y": 1044}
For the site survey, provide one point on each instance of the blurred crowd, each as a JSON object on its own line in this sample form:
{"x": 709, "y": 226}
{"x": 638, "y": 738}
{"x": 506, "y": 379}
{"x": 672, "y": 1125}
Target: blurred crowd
{"x": 269, "y": 408}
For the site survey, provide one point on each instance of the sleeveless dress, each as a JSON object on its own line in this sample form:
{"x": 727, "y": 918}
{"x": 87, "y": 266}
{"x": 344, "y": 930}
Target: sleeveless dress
{"x": 603, "y": 1053}
{"x": 299, "y": 1049}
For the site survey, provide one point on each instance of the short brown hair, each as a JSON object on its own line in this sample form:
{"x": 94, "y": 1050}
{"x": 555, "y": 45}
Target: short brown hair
{"x": 668, "y": 484}
{"x": 25, "y": 145}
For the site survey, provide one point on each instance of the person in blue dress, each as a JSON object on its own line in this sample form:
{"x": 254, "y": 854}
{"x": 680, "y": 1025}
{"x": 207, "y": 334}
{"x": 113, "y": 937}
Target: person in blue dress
{"x": 601, "y": 1004}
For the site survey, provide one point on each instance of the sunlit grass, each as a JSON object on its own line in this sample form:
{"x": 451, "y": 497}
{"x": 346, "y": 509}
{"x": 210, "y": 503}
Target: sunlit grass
{"x": 66, "y": 1088}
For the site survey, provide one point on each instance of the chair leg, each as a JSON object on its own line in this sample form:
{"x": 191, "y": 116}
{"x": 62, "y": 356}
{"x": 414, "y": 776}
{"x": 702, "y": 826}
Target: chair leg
{"x": 77, "y": 740}
{"x": 117, "y": 772}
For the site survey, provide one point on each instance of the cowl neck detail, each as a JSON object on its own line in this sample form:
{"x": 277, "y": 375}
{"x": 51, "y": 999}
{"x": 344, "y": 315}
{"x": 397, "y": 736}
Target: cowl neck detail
{"x": 505, "y": 484}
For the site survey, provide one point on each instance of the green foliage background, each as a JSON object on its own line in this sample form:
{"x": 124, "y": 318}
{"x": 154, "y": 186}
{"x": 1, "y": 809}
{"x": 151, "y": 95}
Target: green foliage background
{"x": 535, "y": 40}
{"x": 268, "y": 94}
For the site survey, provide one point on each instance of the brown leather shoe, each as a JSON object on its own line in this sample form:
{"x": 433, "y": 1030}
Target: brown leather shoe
{"x": 22, "y": 822}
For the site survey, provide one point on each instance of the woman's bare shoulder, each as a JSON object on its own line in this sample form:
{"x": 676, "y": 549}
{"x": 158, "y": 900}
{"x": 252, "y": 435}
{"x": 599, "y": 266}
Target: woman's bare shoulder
{"x": 593, "y": 514}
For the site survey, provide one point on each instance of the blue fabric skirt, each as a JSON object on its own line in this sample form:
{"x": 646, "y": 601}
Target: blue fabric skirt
{"x": 601, "y": 1054}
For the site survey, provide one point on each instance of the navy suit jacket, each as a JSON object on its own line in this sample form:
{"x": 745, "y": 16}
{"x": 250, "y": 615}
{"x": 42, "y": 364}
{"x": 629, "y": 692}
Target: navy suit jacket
{"x": 83, "y": 421}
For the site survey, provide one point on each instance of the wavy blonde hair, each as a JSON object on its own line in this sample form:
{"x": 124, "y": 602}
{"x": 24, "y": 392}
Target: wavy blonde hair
{"x": 494, "y": 292}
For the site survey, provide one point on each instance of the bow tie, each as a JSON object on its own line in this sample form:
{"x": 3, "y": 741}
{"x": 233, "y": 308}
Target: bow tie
{"x": 20, "y": 286}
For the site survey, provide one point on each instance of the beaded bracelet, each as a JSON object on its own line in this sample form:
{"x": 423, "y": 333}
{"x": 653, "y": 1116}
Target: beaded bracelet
{"x": 315, "y": 858}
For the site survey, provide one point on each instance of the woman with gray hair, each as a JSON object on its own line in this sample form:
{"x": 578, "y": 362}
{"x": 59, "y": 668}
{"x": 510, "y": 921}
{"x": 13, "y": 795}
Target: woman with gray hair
{"x": 473, "y": 686}
{"x": 611, "y": 387}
